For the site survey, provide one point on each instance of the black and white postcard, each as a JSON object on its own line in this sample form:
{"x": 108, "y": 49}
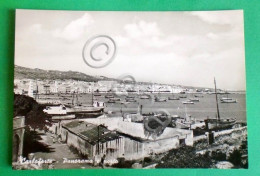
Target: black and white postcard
{"x": 106, "y": 89}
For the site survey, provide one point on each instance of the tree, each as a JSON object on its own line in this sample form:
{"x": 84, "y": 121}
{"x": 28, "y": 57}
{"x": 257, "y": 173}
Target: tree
{"x": 26, "y": 106}
{"x": 235, "y": 157}
{"x": 35, "y": 118}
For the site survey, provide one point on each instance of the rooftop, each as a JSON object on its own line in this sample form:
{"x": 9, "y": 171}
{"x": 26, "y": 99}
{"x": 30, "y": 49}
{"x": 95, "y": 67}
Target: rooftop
{"x": 90, "y": 132}
{"x": 136, "y": 130}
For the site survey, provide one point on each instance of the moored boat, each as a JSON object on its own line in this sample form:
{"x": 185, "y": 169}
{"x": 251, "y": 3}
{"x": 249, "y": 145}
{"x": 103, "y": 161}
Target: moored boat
{"x": 55, "y": 110}
{"x": 157, "y": 99}
{"x": 115, "y": 99}
{"x": 220, "y": 123}
{"x": 109, "y": 96}
{"x": 186, "y": 122}
{"x": 229, "y": 101}
{"x": 182, "y": 96}
{"x": 173, "y": 98}
{"x": 111, "y": 101}
{"x": 194, "y": 99}
{"x": 63, "y": 110}
{"x": 144, "y": 97}
{"x": 214, "y": 123}
{"x": 188, "y": 102}
{"x": 130, "y": 100}
{"x": 130, "y": 96}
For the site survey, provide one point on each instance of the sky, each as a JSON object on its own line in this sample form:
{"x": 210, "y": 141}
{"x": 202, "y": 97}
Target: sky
{"x": 181, "y": 48}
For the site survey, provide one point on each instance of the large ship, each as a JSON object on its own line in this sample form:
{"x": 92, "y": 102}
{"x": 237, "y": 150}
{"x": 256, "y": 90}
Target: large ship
{"x": 216, "y": 123}
{"x": 95, "y": 108}
{"x": 63, "y": 110}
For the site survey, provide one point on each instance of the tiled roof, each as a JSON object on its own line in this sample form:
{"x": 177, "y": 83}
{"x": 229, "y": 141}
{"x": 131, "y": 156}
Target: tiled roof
{"x": 91, "y": 133}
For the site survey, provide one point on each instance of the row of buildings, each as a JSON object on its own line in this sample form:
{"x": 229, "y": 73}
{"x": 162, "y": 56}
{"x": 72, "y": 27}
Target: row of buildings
{"x": 32, "y": 87}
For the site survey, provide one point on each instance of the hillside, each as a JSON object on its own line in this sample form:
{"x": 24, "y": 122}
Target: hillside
{"x": 29, "y": 73}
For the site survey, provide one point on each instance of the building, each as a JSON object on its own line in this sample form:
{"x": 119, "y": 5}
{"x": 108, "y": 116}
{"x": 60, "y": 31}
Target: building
{"x": 117, "y": 138}
{"x": 47, "y": 89}
{"x": 92, "y": 140}
{"x": 18, "y": 136}
{"x": 137, "y": 144}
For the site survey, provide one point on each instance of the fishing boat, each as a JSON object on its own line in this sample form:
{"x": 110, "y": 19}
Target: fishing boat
{"x": 111, "y": 101}
{"x": 115, "y": 99}
{"x": 144, "y": 97}
{"x": 85, "y": 110}
{"x": 63, "y": 110}
{"x": 188, "y": 102}
{"x": 130, "y": 100}
{"x": 157, "y": 99}
{"x": 183, "y": 96}
{"x": 229, "y": 101}
{"x": 124, "y": 102}
{"x": 213, "y": 123}
{"x": 173, "y": 98}
{"x": 130, "y": 96}
{"x": 198, "y": 96}
{"x": 225, "y": 98}
{"x": 109, "y": 96}
{"x": 186, "y": 122}
{"x": 194, "y": 99}
{"x": 55, "y": 110}
{"x": 97, "y": 95}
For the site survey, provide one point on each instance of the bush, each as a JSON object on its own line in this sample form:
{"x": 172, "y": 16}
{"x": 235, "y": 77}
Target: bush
{"x": 235, "y": 157}
{"x": 185, "y": 157}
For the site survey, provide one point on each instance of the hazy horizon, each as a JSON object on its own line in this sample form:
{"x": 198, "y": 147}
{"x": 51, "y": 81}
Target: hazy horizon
{"x": 211, "y": 87}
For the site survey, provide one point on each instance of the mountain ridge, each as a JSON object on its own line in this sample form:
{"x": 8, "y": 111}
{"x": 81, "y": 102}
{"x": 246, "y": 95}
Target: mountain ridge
{"x": 36, "y": 73}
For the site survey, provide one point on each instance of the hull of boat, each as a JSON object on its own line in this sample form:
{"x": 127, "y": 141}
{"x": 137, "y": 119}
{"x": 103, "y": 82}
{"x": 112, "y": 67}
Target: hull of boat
{"x": 187, "y": 102}
{"x": 213, "y": 123}
{"x": 108, "y": 96}
{"x": 194, "y": 100}
{"x": 228, "y": 101}
{"x": 182, "y": 125}
{"x": 85, "y": 110}
{"x": 173, "y": 98}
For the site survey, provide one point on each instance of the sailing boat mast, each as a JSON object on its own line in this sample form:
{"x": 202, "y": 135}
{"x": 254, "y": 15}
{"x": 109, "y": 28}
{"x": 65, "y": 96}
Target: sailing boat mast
{"x": 186, "y": 115}
{"x": 216, "y": 99}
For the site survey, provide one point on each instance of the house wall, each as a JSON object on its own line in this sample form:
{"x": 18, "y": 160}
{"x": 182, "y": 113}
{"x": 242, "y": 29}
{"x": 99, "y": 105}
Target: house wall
{"x": 133, "y": 149}
{"x": 113, "y": 149}
{"x": 74, "y": 140}
{"x": 18, "y": 137}
{"x": 124, "y": 146}
{"x": 161, "y": 146}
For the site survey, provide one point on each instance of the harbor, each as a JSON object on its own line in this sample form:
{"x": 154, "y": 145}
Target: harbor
{"x": 138, "y": 125}
{"x": 129, "y": 90}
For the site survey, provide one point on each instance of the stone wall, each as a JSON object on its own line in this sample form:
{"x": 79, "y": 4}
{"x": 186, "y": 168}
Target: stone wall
{"x": 223, "y": 138}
